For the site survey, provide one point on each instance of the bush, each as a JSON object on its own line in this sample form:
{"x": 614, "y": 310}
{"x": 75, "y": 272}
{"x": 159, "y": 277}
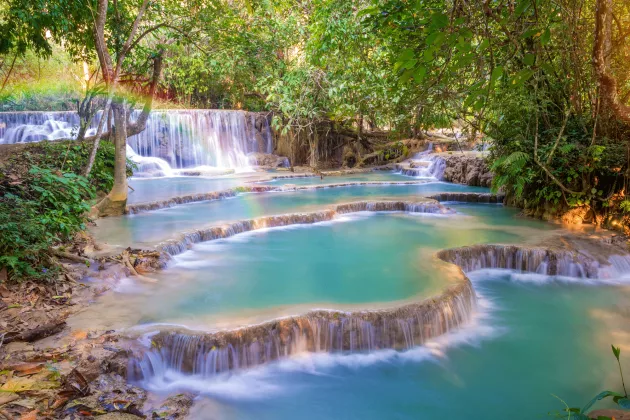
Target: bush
{"x": 44, "y": 202}
{"x": 71, "y": 156}
{"x": 40, "y": 210}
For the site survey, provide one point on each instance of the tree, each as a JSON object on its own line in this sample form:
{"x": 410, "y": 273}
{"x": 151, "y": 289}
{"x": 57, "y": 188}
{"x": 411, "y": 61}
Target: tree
{"x": 602, "y": 52}
{"x": 127, "y": 38}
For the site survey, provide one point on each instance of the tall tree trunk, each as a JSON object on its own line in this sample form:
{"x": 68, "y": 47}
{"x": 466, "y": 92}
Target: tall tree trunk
{"x": 601, "y": 53}
{"x": 115, "y": 202}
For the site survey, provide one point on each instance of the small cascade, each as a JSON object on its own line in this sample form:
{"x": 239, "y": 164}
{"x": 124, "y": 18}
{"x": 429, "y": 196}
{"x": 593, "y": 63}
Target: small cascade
{"x": 177, "y": 246}
{"x": 469, "y": 197}
{"x": 528, "y": 259}
{"x": 208, "y": 354}
{"x": 423, "y": 166}
{"x": 619, "y": 267}
{"x": 428, "y": 150}
{"x": 30, "y": 127}
{"x": 177, "y": 138}
{"x": 152, "y": 166}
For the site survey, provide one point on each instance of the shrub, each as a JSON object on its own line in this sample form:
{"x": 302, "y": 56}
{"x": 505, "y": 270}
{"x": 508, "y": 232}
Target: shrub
{"x": 71, "y": 156}
{"x": 40, "y": 210}
{"x": 44, "y": 202}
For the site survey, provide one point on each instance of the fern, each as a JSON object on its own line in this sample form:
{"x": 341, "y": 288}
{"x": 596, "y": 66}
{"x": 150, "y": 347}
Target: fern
{"x": 515, "y": 161}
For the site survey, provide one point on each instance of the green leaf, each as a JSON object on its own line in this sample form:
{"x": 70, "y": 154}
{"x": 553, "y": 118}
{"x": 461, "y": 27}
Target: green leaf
{"x": 529, "y": 59}
{"x": 405, "y": 76}
{"x": 532, "y": 32}
{"x": 419, "y": 74}
{"x": 522, "y": 6}
{"x": 435, "y": 38}
{"x": 616, "y": 351}
{"x": 496, "y": 73}
{"x": 545, "y": 38}
{"x": 522, "y": 76}
{"x": 439, "y": 20}
{"x": 598, "y": 397}
{"x": 405, "y": 55}
{"x": 624, "y": 402}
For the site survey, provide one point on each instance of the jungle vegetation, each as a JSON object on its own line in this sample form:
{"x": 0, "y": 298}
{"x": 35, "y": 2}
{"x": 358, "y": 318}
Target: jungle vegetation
{"x": 545, "y": 82}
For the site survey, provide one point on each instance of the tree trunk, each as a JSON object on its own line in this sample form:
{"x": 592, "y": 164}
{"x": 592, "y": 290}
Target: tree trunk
{"x": 115, "y": 202}
{"x": 601, "y": 52}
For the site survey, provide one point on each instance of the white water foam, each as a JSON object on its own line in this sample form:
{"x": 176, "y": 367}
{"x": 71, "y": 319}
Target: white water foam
{"x": 263, "y": 381}
{"x": 618, "y": 273}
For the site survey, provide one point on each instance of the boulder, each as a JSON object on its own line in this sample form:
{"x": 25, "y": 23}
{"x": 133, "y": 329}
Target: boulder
{"x": 267, "y": 159}
{"x": 467, "y": 170}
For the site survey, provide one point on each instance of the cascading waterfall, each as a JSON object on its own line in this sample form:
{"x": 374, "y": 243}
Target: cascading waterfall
{"x": 172, "y": 140}
{"x": 208, "y": 354}
{"x": 424, "y": 166}
{"x": 536, "y": 260}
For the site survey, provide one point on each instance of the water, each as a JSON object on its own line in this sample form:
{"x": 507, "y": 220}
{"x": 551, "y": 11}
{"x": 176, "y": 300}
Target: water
{"x": 155, "y": 189}
{"x": 334, "y": 264}
{"x": 173, "y": 139}
{"x": 532, "y": 337}
{"x": 145, "y": 229}
{"x": 375, "y": 176}
{"x": 534, "y": 341}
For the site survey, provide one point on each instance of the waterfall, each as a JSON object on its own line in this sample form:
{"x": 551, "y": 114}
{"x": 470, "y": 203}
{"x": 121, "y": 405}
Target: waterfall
{"x": 208, "y": 354}
{"x": 540, "y": 260}
{"x": 173, "y": 139}
{"x": 423, "y": 166}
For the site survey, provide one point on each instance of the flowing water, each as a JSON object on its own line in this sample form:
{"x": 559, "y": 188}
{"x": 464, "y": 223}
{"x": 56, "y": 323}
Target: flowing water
{"x": 148, "y": 228}
{"x": 336, "y": 262}
{"x": 349, "y": 314}
{"x": 532, "y": 335}
{"x": 531, "y": 342}
{"x": 173, "y": 139}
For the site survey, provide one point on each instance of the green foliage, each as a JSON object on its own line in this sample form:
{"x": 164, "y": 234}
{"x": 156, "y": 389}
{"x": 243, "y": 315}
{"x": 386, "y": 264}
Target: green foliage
{"x": 621, "y": 400}
{"x": 71, "y": 156}
{"x": 41, "y": 209}
{"x": 44, "y": 202}
{"x": 395, "y": 150}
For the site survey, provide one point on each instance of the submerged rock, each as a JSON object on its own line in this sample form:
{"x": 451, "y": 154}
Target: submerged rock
{"x": 175, "y": 407}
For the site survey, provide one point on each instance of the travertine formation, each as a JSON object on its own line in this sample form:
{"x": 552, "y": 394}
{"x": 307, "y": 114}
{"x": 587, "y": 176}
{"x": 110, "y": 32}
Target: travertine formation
{"x": 177, "y": 246}
{"x": 316, "y": 331}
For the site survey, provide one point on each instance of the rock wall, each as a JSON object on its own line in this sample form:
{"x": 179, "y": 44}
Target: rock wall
{"x": 467, "y": 170}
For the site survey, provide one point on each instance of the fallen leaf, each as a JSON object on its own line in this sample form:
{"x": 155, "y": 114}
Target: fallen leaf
{"x": 79, "y": 334}
{"x": 24, "y": 369}
{"x": 32, "y": 415}
{"x": 21, "y": 384}
{"x": 59, "y": 401}
{"x": 27, "y": 402}
{"x": 8, "y": 397}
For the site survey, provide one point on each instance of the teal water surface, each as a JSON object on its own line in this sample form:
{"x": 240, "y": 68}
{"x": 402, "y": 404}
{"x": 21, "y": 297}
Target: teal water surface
{"x": 145, "y": 229}
{"x": 534, "y": 336}
{"x": 361, "y": 258}
{"x": 534, "y": 342}
{"x": 375, "y": 176}
{"x": 155, "y": 189}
